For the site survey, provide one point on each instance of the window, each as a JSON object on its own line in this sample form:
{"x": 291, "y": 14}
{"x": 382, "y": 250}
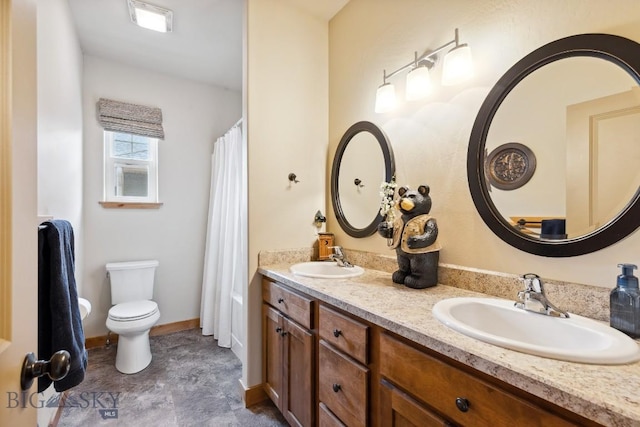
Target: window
{"x": 130, "y": 168}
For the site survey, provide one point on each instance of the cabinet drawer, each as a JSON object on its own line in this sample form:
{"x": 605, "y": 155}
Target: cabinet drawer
{"x": 344, "y": 333}
{"x": 343, "y": 386}
{"x": 327, "y": 419}
{"x": 399, "y": 409}
{"x": 447, "y": 389}
{"x": 290, "y": 303}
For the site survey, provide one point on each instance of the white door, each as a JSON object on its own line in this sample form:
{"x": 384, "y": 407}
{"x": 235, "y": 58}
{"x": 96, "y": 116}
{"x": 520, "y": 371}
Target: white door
{"x": 601, "y": 184}
{"x": 18, "y": 220}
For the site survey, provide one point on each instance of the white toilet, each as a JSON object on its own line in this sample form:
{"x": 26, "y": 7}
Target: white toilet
{"x": 133, "y": 313}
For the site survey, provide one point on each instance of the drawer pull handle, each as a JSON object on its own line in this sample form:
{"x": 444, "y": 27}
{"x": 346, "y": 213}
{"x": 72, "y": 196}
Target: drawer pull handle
{"x": 283, "y": 333}
{"x": 337, "y": 387}
{"x": 462, "y": 404}
{"x": 337, "y": 333}
{"x": 280, "y": 300}
{"x": 279, "y": 330}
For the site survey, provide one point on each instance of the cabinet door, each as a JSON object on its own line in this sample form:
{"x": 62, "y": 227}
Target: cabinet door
{"x": 273, "y": 355}
{"x": 398, "y": 409}
{"x": 299, "y": 368}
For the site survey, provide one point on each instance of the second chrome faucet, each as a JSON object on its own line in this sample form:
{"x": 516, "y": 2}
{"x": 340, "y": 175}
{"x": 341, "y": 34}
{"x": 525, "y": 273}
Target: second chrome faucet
{"x": 533, "y": 298}
{"x": 338, "y": 257}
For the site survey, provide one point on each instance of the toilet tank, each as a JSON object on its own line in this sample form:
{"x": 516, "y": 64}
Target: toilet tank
{"x": 131, "y": 281}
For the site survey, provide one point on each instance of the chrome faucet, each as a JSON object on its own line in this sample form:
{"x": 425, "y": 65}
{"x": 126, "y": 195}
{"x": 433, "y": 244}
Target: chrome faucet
{"x": 338, "y": 257}
{"x": 534, "y": 299}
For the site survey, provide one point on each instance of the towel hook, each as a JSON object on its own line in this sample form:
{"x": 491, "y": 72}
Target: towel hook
{"x": 292, "y": 178}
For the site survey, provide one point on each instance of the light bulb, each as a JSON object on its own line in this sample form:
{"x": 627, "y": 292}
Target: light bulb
{"x": 418, "y": 83}
{"x": 385, "y": 98}
{"x": 457, "y": 66}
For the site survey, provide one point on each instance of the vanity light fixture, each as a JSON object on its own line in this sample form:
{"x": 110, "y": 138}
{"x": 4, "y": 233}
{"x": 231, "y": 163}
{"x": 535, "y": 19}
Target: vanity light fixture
{"x": 150, "y": 16}
{"x": 456, "y": 68}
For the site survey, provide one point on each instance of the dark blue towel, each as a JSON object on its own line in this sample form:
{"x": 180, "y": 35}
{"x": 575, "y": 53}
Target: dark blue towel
{"x": 59, "y": 321}
{"x": 553, "y": 229}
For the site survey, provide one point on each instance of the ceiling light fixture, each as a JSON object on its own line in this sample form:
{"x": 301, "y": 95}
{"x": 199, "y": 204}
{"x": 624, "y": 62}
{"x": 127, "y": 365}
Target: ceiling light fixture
{"x": 150, "y": 16}
{"x": 457, "y": 67}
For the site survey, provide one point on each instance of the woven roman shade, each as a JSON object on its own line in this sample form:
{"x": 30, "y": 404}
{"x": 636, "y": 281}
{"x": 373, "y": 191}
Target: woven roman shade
{"x": 136, "y": 119}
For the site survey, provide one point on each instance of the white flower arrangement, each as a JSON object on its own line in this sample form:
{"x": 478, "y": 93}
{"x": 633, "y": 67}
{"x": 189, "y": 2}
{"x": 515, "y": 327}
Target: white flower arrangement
{"x": 387, "y": 204}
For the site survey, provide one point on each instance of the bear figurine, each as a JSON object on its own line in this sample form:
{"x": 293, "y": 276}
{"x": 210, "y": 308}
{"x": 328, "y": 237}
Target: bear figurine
{"x": 415, "y": 239}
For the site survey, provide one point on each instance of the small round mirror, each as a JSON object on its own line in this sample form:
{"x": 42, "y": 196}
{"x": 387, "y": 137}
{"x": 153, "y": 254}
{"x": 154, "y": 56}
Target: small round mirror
{"x": 363, "y": 160}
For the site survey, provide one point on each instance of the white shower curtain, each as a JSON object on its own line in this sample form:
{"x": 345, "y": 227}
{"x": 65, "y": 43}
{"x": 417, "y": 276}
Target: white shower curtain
{"x": 225, "y": 263}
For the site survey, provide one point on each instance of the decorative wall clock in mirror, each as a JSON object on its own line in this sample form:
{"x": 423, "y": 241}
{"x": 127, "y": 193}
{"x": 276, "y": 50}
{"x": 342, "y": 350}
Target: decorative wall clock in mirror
{"x": 510, "y": 166}
{"x": 363, "y": 160}
{"x": 575, "y": 104}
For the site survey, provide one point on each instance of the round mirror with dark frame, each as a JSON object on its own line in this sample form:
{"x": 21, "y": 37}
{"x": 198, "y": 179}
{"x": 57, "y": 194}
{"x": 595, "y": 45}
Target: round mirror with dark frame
{"x": 363, "y": 160}
{"x": 563, "y": 189}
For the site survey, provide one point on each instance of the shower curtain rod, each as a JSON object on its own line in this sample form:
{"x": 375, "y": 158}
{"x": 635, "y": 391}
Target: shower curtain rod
{"x": 238, "y": 123}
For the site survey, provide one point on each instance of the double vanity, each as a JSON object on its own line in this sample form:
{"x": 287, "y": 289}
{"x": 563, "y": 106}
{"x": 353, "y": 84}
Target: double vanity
{"x": 364, "y": 351}
{"x": 347, "y": 346}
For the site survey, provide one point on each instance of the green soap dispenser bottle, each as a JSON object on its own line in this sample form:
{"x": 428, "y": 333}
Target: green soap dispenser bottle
{"x": 625, "y": 302}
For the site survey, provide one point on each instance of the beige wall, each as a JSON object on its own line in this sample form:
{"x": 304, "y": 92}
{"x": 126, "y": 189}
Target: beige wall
{"x": 286, "y": 90}
{"x": 430, "y": 137}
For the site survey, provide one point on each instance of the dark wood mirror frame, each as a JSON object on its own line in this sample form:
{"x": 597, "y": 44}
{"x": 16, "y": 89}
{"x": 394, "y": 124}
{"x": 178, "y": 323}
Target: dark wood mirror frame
{"x": 618, "y": 50}
{"x": 389, "y": 167}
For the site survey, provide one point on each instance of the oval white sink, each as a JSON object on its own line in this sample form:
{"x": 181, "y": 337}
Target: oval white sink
{"x": 325, "y": 270}
{"x": 498, "y": 322}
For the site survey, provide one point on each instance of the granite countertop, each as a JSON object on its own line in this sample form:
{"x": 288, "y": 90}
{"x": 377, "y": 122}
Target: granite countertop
{"x": 609, "y": 395}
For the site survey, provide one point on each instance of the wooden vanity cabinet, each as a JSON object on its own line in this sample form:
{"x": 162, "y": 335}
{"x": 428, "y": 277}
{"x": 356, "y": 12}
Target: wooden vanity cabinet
{"x": 289, "y": 353}
{"x": 349, "y": 372}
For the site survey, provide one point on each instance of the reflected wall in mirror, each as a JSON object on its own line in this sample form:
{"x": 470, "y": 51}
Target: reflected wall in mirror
{"x": 576, "y": 103}
{"x": 586, "y": 144}
{"x": 363, "y": 160}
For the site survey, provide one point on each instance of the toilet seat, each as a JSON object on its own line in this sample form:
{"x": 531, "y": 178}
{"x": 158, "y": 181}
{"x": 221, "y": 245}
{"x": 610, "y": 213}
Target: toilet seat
{"x": 133, "y": 310}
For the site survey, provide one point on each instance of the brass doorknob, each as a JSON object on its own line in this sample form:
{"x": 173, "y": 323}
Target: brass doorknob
{"x": 56, "y": 368}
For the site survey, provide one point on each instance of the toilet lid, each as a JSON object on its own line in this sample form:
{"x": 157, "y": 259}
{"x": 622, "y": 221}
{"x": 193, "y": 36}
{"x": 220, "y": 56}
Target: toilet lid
{"x": 134, "y": 310}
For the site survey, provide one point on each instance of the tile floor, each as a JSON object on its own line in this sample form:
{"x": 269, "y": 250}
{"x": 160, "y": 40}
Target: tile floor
{"x": 190, "y": 382}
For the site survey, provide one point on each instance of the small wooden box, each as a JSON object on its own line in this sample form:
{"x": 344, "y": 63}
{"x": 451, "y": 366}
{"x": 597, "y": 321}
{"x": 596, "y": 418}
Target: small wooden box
{"x": 325, "y": 245}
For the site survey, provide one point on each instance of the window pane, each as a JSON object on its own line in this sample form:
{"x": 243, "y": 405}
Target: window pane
{"x": 127, "y": 146}
{"x": 132, "y": 181}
